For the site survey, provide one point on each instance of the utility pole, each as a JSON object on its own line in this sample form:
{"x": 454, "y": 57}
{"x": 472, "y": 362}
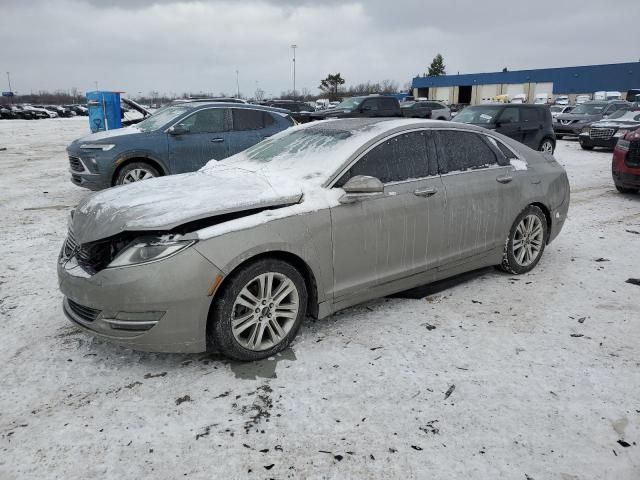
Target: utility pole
{"x": 96, "y": 82}
{"x": 237, "y": 84}
{"x": 294, "y": 46}
{"x": 9, "y": 80}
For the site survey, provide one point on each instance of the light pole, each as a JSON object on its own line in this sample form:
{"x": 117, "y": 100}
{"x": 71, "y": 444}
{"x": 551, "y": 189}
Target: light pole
{"x": 294, "y": 46}
{"x": 237, "y": 84}
{"x": 96, "y": 82}
{"x": 10, "y": 91}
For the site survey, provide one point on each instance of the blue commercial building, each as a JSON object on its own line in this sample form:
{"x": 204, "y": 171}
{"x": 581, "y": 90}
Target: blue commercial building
{"x": 478, "y": 88}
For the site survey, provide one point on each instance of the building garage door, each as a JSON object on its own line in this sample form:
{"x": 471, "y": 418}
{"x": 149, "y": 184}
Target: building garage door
{"x": 443, "y": 94}
{"x": 486, "y": 93}
{"x": 544, "y": 87}
{"x": 514, "y": 89}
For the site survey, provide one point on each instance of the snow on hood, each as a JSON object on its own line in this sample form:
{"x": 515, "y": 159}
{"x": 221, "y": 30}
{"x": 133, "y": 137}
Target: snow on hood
{"x": 167, "y": 202}
{"x": 117, "y": 132}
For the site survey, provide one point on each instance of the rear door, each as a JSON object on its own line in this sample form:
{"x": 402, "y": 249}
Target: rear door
{"x": 250, "y": 127}
{"x": 370, "y": 108}
{"x": 379, "y": 240}
{"x": 532, "y": 126}
{"x": 510, "y": 124}
{"x": 480, "y": 187}
{"x": 207, "y": 139}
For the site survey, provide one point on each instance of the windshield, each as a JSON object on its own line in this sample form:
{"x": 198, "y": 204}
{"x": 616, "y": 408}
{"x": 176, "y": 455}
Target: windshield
{"x": 349, "y": 103}
{"x": 556, "y": 109}
{"x": 478, "y": 114}
{"x": 162, "y": 117}
{"x": 589, "y": 109}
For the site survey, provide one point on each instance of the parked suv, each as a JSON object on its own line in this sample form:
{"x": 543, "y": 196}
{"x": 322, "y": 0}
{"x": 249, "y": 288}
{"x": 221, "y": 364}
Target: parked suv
{"x": 177, "y": 139}
{"x": 369, "y": 106}
{"x": 300, "y": 111}
{"x": 606, "y": 133}
{"x": 585, "y": 114}
{"x": 439, "y": 111}
{"x": 528, "y": 124}
{"x": 625, "y": 166}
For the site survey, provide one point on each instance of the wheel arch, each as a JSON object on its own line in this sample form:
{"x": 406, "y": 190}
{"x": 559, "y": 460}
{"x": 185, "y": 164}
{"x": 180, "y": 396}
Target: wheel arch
{"x": 547, "y": 215}
{"x": 127, "y": 160}
{"x": 291, "y": 258}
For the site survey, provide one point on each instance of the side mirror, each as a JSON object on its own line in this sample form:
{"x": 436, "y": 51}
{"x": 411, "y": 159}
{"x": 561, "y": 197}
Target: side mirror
{"x": 178, "y": 130}
{"x": 361, "y": 187}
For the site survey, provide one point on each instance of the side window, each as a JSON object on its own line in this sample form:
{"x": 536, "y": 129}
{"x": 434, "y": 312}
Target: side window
{"x": 400, "y": 158}
{"x": 205, "y": 121}
{"x": 510, "y": 114}
{"x": 247, "y": 119}
{"x": 370, "y": 105}
{"x": 462, "y": 151}
{"x": 530, "y": 115}
{"x": 504, "y": 150}
{"x": 388, "y": 103}
{"x": 268, "y": 119}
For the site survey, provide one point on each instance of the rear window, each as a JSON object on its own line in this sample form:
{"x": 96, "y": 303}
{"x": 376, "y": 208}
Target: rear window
{"x": 247, "y": 119}
{"x": 461, "y": 151}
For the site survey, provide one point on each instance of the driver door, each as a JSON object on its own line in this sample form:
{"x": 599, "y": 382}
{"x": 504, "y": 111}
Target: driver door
{"x": 509, "y": 123}
{"x": 205, "y": 137}
{"x": 395, "y": 235}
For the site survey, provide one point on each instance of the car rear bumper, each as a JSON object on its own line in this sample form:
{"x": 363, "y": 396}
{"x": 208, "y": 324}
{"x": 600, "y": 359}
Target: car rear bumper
{"x": 160, "y": 307}
{"x": 626, "y": 180}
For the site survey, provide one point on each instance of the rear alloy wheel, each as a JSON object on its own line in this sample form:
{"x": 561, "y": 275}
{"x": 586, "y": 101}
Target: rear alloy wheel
{"x": 546, "y": 146}
{"x": 525, "y": 245}
{"x": 136, "y": 172}
{"x": 259, "y": 311}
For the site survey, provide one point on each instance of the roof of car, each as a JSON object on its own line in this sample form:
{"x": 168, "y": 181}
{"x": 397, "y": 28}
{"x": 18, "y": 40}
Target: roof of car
{"x": 250, "y": 106}
{"x": 383, "y": 124}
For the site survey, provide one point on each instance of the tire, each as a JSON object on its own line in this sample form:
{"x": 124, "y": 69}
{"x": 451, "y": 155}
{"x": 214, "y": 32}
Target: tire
{"x": 586, "y": 147}
{"x": 234, "y": 303}
{"x": 513, "y": 259}
{"x": 135, "y": 172}
{"x": 547, "y": 146}
{"x": 626, "y": 190}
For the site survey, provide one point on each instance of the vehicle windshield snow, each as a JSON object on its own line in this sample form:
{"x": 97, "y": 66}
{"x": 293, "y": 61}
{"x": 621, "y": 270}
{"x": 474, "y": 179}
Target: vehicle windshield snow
{"x": 162, "y": 117}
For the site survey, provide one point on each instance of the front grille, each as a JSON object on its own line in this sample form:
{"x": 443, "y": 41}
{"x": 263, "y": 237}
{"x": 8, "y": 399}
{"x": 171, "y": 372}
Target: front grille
{"x": 76, "y": 164}
{"x": 87, "y": 314}
{"x": 601, "y": 133}
{"x": 633, "y": 155}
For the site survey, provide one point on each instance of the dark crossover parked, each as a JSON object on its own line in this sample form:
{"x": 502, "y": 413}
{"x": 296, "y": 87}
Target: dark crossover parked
{"x": 369, "y": 106}
{"x": 625, "y": 166}
{"x": 176, "y": 139}
{"x": 528, "y": 124}
{"x": 606, "y": 133}
{"x": 300, "y": 111}
{"x": 584, "y": 115}
{"x": 317, "y": 218}
{"x": 416, "y": 110}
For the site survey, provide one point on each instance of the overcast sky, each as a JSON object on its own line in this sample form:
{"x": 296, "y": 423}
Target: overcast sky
{"x": 177, "y": 46}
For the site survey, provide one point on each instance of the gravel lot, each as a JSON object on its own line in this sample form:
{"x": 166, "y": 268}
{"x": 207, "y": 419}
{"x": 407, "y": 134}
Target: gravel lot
{"x": 530, "y": 377}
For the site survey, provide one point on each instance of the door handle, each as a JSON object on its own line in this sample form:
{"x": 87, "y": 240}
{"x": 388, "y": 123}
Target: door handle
{"x": 504, "y": 179}
{"x": 217, "y": 140}
{"x": 427, "y": 192}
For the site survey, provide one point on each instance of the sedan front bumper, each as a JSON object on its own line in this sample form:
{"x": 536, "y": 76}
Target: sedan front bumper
{"x": 160, "y": 307}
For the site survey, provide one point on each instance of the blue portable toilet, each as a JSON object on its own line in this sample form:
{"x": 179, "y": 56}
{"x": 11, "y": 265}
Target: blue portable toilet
{"x": 104, "y": 110}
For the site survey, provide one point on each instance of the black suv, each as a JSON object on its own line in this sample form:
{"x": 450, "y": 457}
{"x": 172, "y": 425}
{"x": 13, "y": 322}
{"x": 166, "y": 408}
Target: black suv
{"x": 369, "y": 106}
{"x": 528, "y": 124}
{"x": 300, "y": 111}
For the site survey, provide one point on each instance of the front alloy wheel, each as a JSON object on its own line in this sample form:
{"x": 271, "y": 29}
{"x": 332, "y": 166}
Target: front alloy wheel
{"x": 258, "y": 310}
{"x": 526, "y": 241}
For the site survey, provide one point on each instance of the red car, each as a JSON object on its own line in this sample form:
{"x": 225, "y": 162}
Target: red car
{"x": 625, "y": 166}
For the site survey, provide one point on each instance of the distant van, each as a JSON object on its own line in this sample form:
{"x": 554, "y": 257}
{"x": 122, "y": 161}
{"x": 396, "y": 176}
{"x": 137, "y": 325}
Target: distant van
{"x": 519, "y": 98}
{"x": 582, "y": 98}
{"x": 605, "y": 96}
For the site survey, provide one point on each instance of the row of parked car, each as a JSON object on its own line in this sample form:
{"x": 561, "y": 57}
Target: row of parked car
{"x": 35, "y": 112}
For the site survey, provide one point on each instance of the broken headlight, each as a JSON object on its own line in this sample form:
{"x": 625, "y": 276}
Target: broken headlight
{"x": 149, "y": 249}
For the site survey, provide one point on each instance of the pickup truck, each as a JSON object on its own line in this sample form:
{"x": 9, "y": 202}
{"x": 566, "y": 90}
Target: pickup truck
{"x": 369, "y": 106}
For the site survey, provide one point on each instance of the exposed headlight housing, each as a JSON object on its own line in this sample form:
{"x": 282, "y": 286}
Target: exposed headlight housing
{"x": 105, "y": 147}
{"x": 149, "y": 249}
{"x": 586, "y": 129}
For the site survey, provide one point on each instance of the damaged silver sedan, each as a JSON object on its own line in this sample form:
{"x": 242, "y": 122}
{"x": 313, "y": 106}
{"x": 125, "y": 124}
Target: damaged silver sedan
{"x": 315, "y": 219}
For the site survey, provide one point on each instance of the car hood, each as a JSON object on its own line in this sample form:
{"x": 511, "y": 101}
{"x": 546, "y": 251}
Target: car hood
{"x": 616, "y": 124}
{"x": 164, "y": 203}
{"x": 578, "y": 116}
{"x": 330, "y": 112}
{"x": 108, "y": 134}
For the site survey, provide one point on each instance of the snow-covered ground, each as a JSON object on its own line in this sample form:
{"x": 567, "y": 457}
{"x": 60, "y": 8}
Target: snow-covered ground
{"x": 530, "y": 377}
